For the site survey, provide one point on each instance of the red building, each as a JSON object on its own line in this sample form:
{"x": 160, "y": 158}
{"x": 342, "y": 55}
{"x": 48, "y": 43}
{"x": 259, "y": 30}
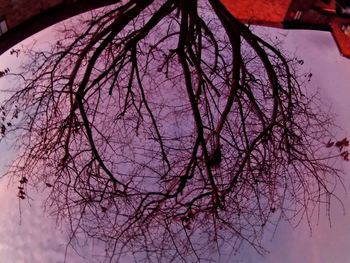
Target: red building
{"x": 326, "y": 15}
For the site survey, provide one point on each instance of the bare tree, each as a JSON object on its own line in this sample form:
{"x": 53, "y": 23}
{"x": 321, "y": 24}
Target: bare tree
{"x": 167, "y": 129}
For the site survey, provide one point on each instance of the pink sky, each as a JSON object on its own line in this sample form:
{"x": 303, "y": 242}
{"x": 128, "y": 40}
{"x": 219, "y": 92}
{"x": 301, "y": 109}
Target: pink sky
{"x": 331, "y": 74}
{"x": 37, "y": 240}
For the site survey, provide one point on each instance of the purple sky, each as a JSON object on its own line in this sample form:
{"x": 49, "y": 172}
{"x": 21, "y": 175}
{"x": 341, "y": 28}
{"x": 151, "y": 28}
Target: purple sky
{"x": 38, "y": 240}
{"x": 331, "y": 74}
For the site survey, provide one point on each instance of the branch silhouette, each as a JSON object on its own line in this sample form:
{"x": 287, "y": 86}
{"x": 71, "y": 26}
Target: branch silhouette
{"x": 165, "y": 129}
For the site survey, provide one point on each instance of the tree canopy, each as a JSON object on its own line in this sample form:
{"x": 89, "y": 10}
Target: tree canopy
{"x": 167, "y": 129}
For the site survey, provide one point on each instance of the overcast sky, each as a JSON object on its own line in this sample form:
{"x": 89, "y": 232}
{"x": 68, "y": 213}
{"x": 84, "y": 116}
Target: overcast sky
{"x": 36, "y": 239}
